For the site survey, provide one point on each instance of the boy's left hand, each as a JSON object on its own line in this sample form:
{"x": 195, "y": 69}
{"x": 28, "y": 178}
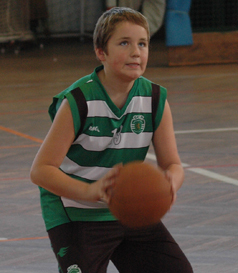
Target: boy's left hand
{"x": 169, "y": 177}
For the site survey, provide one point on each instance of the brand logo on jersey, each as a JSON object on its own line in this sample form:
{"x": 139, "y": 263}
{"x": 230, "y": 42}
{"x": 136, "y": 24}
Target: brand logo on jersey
{"x": 138, "y": 124}
{"x": 74, "y": 269}
{"x": 94, "y": 129}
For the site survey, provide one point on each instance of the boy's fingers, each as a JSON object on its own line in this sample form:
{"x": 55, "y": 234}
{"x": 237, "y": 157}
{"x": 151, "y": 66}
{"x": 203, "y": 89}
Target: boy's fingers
{"x": 107, "y": 183}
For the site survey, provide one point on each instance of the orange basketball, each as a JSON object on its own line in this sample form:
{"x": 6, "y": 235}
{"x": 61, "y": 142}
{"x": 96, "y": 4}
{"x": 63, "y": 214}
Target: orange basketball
{"x": 141, "y": 196}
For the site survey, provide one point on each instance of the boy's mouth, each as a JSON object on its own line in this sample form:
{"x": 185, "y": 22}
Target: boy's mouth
{"x": 133, "y": 65}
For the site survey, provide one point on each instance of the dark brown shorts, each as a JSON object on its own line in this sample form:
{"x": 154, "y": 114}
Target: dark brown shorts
{"x": 87, "y": 247}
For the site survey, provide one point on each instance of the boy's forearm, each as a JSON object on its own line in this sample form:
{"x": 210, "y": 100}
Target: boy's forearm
{"x": 57, "y": 182}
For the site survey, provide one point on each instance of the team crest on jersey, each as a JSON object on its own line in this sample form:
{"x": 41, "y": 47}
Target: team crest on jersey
{"x": 74, "y": 269}
{"x": 138, "y": 124}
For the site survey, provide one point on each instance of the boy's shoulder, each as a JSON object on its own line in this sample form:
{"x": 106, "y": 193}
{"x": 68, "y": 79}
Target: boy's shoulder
{"x": 80, "y": 83}
{"x": 146, "y": 84}
{"x": 85, "y": 83}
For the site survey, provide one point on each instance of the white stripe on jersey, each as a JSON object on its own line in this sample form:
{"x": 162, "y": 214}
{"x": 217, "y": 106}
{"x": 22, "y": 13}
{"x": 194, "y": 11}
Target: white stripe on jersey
{"x": 83, "y": 204}
{"x": 128, "y": 141}
{"x": 91, "y": 173}
{"x": 100, "y": 108}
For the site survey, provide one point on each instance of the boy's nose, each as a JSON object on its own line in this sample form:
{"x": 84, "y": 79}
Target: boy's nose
{"x": 135, "y": 51}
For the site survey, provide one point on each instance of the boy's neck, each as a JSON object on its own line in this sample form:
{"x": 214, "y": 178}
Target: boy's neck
{"x": 117, "y": 90}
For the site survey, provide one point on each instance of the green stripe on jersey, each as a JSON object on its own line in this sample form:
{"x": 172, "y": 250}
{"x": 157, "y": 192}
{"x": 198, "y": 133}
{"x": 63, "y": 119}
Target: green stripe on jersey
{"x": 107, "y": 158}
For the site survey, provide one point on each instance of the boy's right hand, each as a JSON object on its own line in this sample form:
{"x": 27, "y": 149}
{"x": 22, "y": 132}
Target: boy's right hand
{"x": 101, "y": 189}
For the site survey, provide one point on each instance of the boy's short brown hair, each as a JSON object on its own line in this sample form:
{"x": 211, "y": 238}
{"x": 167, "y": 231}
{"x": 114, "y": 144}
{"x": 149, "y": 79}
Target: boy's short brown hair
{"x": 110, "y": 19}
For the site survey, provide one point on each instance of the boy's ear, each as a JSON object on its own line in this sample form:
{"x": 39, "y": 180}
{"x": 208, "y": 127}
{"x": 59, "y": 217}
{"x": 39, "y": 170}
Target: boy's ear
{"x": 100, "y": 54}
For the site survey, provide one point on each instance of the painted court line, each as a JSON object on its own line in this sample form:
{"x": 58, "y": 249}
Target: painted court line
{"x": 8, "y": 130}
{"x": 203, "y": 172}
{"x": 194, "y": 76}
{"x": 214, "y": 175}
{"x": 19, "y": 146}
{"x": 22, "y": 239}
{"x": 206, "y": 130}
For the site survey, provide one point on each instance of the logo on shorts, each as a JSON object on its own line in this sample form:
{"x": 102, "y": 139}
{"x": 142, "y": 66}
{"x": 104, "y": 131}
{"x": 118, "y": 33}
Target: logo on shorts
{"x": 138, "y": 124}
{"x": 63, "y": 251}
{"x": 74, "y": 269}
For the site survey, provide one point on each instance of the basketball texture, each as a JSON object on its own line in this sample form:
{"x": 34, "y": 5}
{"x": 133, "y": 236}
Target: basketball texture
{"x": 141, "y": 195}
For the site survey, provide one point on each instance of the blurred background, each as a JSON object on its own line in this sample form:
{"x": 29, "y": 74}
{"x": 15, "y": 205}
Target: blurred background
{"x": 173, "y": 23}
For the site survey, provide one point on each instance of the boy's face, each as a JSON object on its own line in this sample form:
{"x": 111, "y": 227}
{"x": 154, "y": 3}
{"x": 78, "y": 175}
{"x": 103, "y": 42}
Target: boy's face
{"x": 127, "y": 52}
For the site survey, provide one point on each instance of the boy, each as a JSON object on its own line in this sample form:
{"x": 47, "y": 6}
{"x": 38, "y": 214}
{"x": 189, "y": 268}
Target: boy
{"x": 93, "y": 133}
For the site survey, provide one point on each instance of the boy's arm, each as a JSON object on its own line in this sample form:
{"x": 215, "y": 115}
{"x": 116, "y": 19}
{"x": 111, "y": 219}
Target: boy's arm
{"x": 45, "y": 170}
{"x": 166, "y": 150}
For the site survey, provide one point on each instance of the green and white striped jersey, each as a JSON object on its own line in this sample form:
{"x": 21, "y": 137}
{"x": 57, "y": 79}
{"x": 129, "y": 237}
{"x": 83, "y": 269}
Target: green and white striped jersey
{"x": 104, "y": 136}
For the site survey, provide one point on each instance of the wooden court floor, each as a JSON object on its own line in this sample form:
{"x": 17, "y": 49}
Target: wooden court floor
{"x": 204, "y": 102}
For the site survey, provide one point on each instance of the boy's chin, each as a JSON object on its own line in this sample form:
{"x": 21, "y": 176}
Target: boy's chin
{"x": 135, "y": 76}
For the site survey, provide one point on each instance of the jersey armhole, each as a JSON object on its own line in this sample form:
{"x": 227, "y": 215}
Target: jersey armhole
{"x": 159, "y": 95}
{"x": 79, "y": 109}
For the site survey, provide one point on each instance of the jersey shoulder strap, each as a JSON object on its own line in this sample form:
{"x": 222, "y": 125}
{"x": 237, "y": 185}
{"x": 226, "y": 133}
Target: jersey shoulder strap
{"x": 155, "y": 102}
{"x": 82, "y": 107}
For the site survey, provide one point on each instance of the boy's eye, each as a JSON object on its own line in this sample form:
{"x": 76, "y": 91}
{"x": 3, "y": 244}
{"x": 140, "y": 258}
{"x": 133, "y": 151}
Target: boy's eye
{"x": 142, "y": 44}
{"x": 124, "y": 43}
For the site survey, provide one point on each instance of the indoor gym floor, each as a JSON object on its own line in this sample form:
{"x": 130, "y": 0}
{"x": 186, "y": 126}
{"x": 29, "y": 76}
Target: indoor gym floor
{"x": 204, "y": 102}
